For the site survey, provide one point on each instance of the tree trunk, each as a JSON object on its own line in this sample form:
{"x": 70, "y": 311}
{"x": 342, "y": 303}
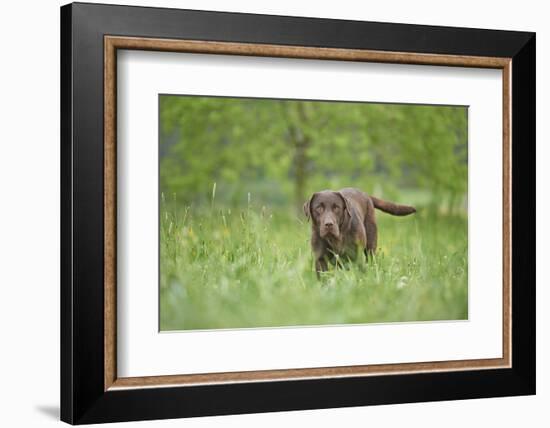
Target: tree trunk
{"x": 300, "y": 163}
{"x": 297, "y": 121}
{"x": 301, "y": 145}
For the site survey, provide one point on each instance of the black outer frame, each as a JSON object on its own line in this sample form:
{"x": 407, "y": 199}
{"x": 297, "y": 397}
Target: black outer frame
{"x": 83, "y": 399}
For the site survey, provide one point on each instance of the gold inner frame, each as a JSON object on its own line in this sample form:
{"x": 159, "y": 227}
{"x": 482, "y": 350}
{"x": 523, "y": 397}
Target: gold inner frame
{"x": 112, "y": 43}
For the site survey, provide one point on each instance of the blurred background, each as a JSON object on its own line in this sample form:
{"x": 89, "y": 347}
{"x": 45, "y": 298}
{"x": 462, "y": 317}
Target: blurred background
{"x": 281, "y": 151}
{"x": 234, "y": 242}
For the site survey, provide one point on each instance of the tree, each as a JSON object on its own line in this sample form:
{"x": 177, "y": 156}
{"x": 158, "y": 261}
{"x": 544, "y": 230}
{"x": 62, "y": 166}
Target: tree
{"x": 307, "y": 145}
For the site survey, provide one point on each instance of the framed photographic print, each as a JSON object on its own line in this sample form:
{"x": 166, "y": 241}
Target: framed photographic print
{"x": 265, "y": 213}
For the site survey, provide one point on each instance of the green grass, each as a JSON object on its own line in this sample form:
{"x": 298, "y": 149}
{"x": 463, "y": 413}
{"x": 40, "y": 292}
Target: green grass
{"x": 252, "y": 267}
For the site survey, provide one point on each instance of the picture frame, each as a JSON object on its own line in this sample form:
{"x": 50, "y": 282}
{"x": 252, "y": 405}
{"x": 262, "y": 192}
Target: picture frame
{"x": 91, "y": 391}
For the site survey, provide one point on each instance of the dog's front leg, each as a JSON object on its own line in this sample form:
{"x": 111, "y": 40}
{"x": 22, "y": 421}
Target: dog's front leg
{"x": 320, "y": 266}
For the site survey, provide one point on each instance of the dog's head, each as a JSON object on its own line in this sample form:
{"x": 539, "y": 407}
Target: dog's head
{"x": 330, "y": 213}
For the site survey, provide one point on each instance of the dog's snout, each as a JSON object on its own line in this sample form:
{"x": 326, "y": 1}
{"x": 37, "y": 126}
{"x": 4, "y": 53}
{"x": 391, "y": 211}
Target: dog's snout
{"x": 329, "y": 224}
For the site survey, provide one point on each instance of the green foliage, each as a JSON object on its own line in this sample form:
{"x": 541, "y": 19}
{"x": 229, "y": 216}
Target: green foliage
{"x": 283, "y": 150}
{"x": 234, "y": 251}
{"x": 252, "y": 267}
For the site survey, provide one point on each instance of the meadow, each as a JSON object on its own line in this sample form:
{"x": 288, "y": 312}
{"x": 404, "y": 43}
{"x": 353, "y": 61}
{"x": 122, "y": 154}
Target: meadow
{"x": 251, "y": 266}
{"x": 234, "y": 243}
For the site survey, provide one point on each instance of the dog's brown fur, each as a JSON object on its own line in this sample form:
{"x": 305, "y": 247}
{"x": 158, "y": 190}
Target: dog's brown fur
{"x": 343, "y": 223}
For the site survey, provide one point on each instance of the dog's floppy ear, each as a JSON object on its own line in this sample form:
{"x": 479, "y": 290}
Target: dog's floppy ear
{"x": 307, "y": 206}
{"x": 347, "y": 204}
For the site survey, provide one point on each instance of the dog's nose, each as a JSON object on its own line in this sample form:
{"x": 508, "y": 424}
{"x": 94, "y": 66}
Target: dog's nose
{"x": 329, "y": 224}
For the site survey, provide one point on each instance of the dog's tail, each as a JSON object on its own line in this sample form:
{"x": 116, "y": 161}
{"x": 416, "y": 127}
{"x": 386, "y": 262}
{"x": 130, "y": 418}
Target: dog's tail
{"x": 391, "y": 208}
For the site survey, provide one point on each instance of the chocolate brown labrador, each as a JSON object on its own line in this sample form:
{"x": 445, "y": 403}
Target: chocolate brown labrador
{"x": 343, "y": 224}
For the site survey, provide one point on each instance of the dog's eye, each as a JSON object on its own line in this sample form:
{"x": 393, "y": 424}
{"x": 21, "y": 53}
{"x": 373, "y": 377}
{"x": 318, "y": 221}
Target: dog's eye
{"x": 335, "y": 207}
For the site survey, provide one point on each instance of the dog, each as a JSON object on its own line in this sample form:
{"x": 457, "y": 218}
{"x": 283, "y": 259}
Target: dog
{"x": 343, "y": 224}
